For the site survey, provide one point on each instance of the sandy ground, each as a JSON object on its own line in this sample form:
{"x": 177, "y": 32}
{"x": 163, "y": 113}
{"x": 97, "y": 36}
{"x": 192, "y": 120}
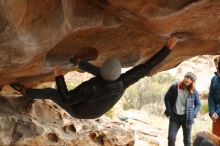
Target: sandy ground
{"x": 202, "y": 123}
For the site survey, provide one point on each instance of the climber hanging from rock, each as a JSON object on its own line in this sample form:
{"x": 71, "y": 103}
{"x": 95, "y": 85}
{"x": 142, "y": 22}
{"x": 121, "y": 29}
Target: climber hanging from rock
{"x": 96, "y": 96}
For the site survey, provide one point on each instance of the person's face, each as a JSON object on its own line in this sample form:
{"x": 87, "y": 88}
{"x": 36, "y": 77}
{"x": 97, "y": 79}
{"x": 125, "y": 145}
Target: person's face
{"x": 218, "y": 68}
{"x": 217, "y": 62}
{"x": 187, "y": 81}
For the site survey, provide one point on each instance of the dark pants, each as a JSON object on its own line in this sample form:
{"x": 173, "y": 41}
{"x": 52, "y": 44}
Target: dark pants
{"x": 174, "y": 125}
{"x": 48, "y": 93}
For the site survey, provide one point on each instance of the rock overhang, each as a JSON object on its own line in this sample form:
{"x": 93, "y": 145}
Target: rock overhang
{"x": 34, "y": 35}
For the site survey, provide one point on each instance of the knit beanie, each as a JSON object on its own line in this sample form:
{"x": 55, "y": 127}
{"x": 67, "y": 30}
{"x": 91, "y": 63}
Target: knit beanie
{"x": 191, "y": 75}
{"x": 111, "y": 69}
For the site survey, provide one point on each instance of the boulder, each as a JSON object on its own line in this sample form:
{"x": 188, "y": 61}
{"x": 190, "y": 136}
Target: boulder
{"x": 35, "y": 35}
{"x": 42, "y": 122}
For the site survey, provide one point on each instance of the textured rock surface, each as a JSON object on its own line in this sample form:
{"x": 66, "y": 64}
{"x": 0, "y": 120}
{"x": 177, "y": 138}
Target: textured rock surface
{"x": 41, "y": 122}
{"x": 35, "y": 35}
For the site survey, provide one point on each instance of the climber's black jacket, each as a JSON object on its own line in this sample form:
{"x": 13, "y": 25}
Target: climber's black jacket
{"x": 96, "y": 96}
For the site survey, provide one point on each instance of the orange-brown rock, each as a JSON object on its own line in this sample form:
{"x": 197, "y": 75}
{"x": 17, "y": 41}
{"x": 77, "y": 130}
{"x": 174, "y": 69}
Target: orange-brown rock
{"x": 35, "y": 35}
{"x": 42, "y": 122}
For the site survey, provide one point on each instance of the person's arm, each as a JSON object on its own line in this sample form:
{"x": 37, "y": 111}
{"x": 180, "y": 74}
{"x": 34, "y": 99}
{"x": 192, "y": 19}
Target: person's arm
{"x": 62, "y": 88}
{"x": 71, "y": 97}
{"x": 197, "y": 104}
{"x": 218, "y": 112}
{"x": 211, "y": 102}
{"x": 167, "y": 97}
{"x": 90, "y": 68}
{"x": 85, "y": 65}
{"x": 140, "y": 71}
{"x": 68, "y": 97}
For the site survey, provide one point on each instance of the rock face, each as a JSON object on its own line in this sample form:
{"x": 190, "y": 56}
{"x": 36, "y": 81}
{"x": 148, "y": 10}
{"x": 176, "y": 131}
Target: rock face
{"x": 35, "y": 35}
{"x": 42, "y": 122}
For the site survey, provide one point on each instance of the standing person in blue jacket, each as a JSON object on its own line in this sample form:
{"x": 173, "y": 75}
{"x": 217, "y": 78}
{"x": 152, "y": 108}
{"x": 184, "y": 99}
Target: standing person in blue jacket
{"x": 182, "y": 105}
{"x": 214, "y": 99}
{"x": 96, "y": 96}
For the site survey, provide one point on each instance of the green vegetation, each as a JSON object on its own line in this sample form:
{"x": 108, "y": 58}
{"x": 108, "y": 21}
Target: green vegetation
{"x": 71, "y": 86}
{"x": 148, "y": 93}
{"x": 204, "y": 107}
{"x": 111, "y": 113}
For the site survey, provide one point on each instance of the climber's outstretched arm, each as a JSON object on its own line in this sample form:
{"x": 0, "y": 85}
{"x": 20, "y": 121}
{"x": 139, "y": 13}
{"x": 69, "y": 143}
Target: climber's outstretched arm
{"x": 142, "y": 70}
{"x": 85, "y": 66}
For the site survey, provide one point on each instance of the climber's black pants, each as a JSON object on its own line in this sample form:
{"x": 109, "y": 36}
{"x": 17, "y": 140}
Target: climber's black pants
{"x": 47, "y": 93}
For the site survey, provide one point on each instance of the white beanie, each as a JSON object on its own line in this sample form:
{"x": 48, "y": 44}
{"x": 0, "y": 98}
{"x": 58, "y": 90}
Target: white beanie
{"x": 191, "y": 75}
